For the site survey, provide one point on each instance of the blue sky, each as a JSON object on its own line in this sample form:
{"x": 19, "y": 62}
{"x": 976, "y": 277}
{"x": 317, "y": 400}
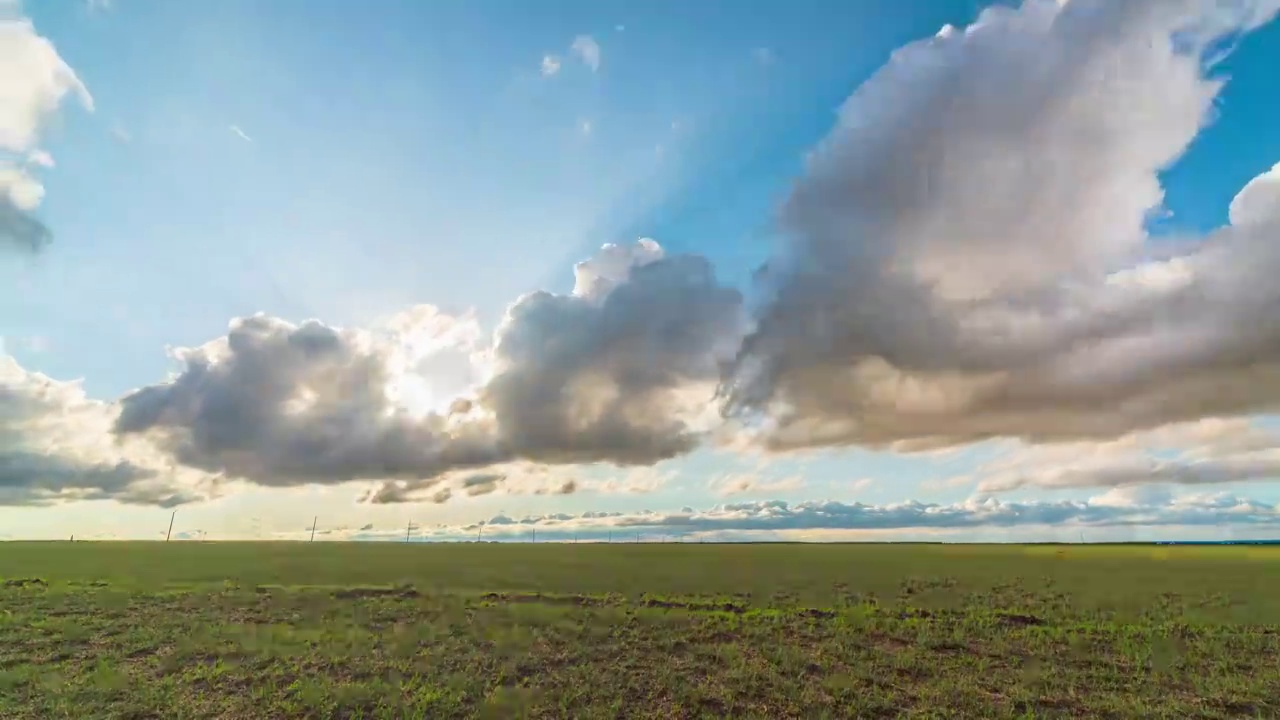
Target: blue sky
{"x": 304, "y": 160}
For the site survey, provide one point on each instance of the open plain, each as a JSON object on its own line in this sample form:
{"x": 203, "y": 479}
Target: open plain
{"x": 418, "y": 630}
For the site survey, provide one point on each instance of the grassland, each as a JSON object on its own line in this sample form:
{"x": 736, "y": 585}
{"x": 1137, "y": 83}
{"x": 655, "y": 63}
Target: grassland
{"x": 364, "y": 630}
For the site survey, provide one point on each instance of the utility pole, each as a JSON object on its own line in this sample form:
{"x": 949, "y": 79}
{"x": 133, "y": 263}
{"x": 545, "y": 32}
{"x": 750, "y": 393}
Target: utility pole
{"x": 170, "y": 532}
{"x": 534, "y": 537}
{"x": 408, "y": 529}
{"x": 479, "y": 533}
{"x": 313, "y": 527}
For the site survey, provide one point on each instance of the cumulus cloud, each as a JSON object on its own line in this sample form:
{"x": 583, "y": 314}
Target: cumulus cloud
{"x": 34, "y": 81}
{"x": 621, "y": 370}
{"x": 967, "y": 255}
{"x": 56, "y": 446}
{"x": 550, "y": 65}
{"x": 282, "y": 404}
{"x": 587, "y": 50}
{"x": 1110, "y": 510}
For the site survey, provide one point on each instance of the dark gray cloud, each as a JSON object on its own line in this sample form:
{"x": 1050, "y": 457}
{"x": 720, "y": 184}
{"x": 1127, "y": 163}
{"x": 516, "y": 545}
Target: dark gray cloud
{"x": 568, "y": 487}
{"x": 19, "y": 229}
{"x": 29, "y": 477}
{"x": 482, "y": 484}
{"x": 967, "y": 256}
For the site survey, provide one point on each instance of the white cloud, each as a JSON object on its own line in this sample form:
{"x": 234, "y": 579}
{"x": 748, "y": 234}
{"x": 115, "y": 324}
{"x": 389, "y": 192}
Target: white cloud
{"x": 235, "y": 130}
{"x": 1257, "y": 202}
{"x": 966, "y": 247}
{"x": 98, "y": 5}
{"x": 40, "y": 158}
{"x": 56, "y": 445}
{"x": 19, "y": 189}
{"x": 583, "y": 47}
{"x": 588, "y": 50}
{"x": 34, "y": 80}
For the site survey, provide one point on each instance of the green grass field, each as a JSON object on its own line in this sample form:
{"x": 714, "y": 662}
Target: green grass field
{"x": 373, "y": 630}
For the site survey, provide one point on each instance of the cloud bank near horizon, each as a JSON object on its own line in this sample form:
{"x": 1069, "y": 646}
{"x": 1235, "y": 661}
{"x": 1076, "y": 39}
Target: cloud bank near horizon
{"x": 966, "y": 261}
{"x": 1111, "y": 512}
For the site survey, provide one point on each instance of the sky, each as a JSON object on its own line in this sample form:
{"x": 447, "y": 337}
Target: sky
{"x": 813, "y": 271}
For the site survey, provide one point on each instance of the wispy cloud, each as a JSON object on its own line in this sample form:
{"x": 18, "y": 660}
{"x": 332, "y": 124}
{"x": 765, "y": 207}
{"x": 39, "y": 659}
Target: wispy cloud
{"x": 636, "y": 481}
{"x": 583, "y": 47}
{"x": 588, "y": 50}
{"x": 235, "y": 130}
{"x": 1204, "y": 452}
{"x": 754, "y": 484}
{"x": 98, "y": 5}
